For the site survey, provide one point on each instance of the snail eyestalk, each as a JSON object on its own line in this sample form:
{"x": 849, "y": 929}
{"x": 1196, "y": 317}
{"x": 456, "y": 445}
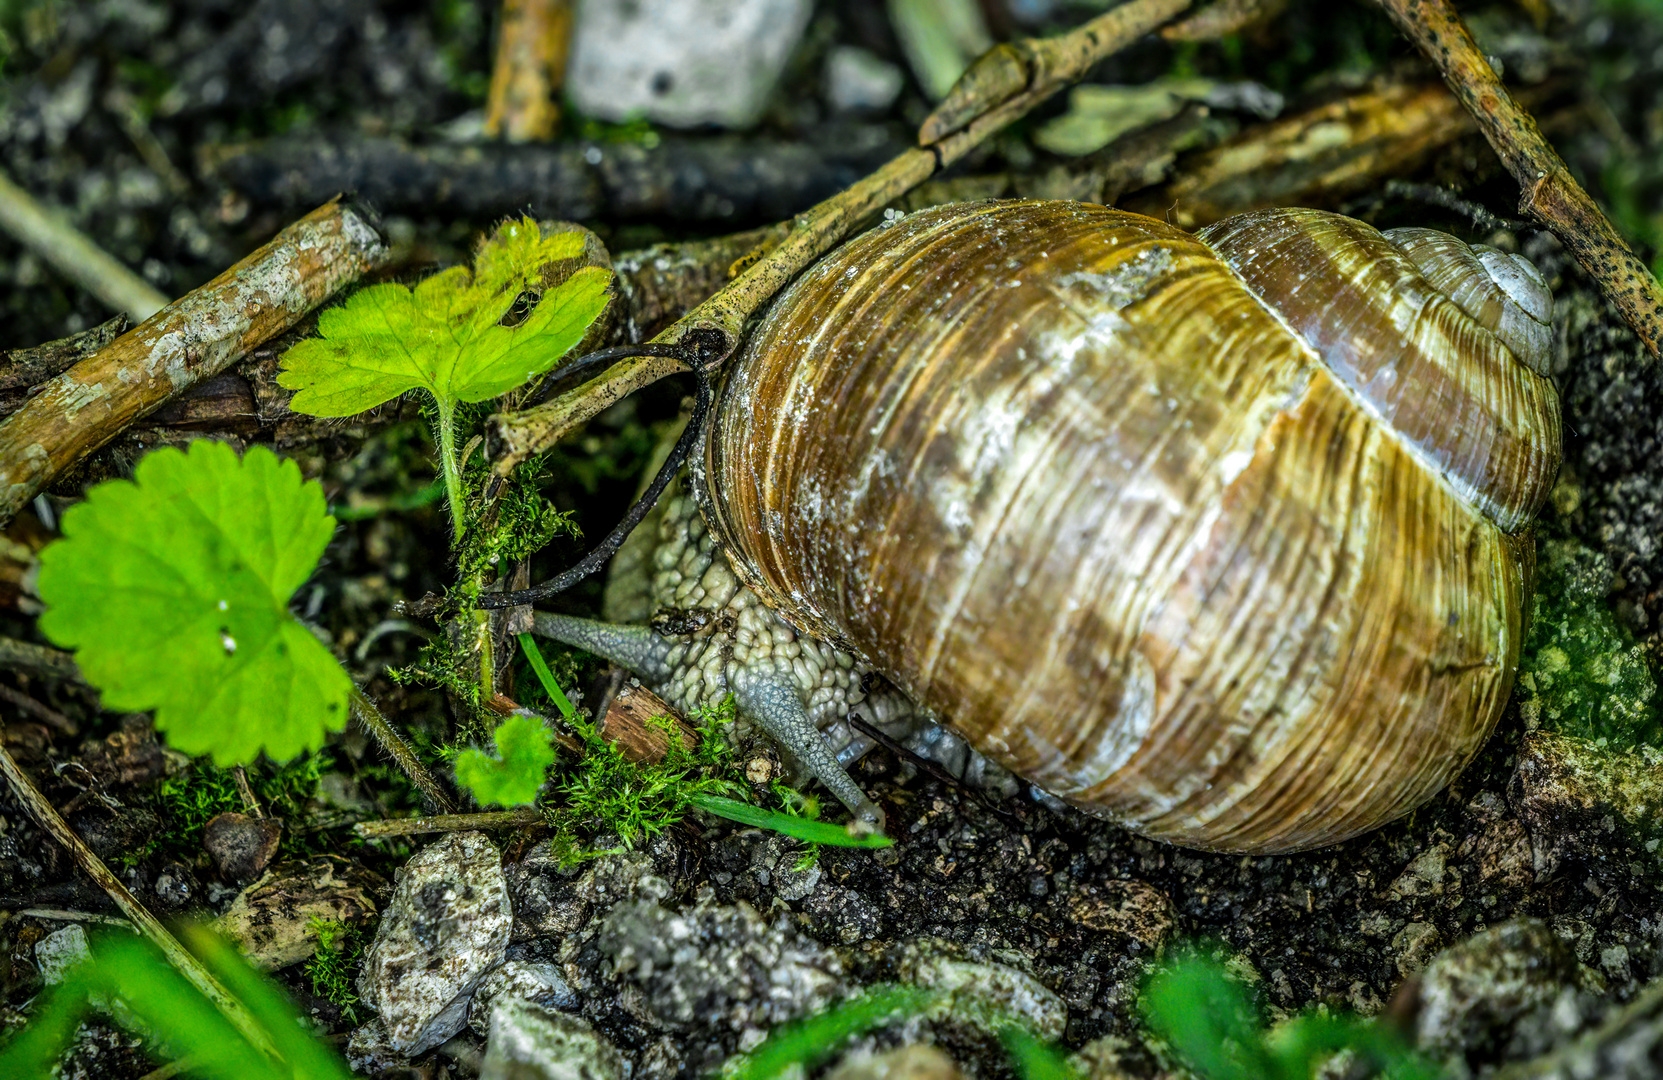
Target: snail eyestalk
{"x": 643, "y": 506}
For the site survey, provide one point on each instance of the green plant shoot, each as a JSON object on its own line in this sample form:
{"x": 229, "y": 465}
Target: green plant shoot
{"x": 461, "y": 335}
{"x": 173, "y": 589}
{"x": 1212, "y": 1025}
{"x": 171, "y": 1012}
{"x": 512, "y": 777}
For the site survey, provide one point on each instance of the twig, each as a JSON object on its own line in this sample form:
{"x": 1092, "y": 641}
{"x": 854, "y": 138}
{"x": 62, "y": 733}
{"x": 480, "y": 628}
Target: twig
{"x": 30, "y": 705}
{"x": 187, "y": 965}
{"x": 191, "y": 339}
{"x": 41, "y": 660}
{"x": 529, "y": 68}
{"x": 1550, "y": 194}
{"x": 405, "y": 758}
{"x": 994, "y": 93}
{"x": 246, "y": 790}
{"x": 497, "y": 819}
{"x": 64, "y": 915}
{"x": 47, "y": 234}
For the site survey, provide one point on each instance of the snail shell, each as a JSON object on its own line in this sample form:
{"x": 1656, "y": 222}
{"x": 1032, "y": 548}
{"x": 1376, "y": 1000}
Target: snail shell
{"x": 1221, "y": 536}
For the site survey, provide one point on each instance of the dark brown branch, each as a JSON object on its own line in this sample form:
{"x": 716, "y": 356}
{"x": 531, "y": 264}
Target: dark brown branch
{"x": 1550, "y": 194}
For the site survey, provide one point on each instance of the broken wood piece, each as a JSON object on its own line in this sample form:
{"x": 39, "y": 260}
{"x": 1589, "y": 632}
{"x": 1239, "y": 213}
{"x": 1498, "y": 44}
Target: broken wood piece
{"x": 1548, "y": 191}
{"x": 529, "y": 68}
{"x": 628, "y": 724}
{"x": 48, "y": 234}
{"x": 191, "y": 339}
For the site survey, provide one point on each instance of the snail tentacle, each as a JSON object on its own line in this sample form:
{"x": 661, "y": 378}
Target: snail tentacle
{"x": 773, "y": 702}
{"x": 634, "y": 647}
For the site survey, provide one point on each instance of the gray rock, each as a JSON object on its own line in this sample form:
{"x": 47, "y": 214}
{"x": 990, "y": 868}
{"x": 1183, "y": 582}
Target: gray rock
{"x": 985, "y": 992}
{"x": 447, "y": 924}
{"x": 681, "y": 62}
{"x": 540, "y": 984}
{"x": 1475, "y": 997}
{"x": 528, "y": 1042}
{"x": 59, "y": 951}
{"x": 859, "y": 81}
{"x": 722, "y": 965}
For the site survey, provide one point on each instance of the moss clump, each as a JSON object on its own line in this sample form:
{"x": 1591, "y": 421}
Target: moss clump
{"x": 334, "y": 966}
{"x": 1580, "y": 672}
{"x": 605, "y": 792}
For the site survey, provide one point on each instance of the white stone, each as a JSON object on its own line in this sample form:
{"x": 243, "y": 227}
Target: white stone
{"x": 681, "y": 62}
{"x": 447, "y": 924}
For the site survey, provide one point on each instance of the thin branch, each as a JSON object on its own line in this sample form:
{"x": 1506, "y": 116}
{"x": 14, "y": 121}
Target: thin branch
{"x": 191, "y": 339}
{"x": 45, "y": 232}
{"x": 499, "y": 819}
{"x": 985, "y": 106}
{"x": 47, "y": 816}
{"x": 1550, "y": 194}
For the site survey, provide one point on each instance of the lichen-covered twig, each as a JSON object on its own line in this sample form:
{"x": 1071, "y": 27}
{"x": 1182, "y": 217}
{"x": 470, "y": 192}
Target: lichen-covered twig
{"x": 191, "y": 339}
{"x": 996, "y": 91}
{"x": 74, "y": 254}
{"x": 47, "y": 816}
{"x": 1549, "y": 193}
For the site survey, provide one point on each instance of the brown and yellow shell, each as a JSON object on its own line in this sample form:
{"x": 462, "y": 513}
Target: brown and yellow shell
{"x": 1223, "y": 536}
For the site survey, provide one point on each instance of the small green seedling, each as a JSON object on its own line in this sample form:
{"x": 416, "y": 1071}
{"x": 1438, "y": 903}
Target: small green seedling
{"x": 1213, "y": 1026}
{"x": 460, "y": 336}
{"x": 513, "y": 776}
{"x": 173, "y": 1014}
{"x": 173, "y": 589}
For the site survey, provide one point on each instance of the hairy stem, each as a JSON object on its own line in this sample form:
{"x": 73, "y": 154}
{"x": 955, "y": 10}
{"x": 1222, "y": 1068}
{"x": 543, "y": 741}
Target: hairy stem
{"x": 368, "y": 715}
{"x": 445, "y": 423}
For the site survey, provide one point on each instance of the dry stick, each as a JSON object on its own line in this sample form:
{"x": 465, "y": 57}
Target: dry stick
{"x": 187, "y": 965}
{"x": 405, "y": 758}
{"x": 994, "y": 92}
{"x": 528, "y": 71}
{"x": 191, "y": 339}
{"x": 1550, "y": 194}
{"x": 498, "y": 819}
{"x": 45, "y": 232}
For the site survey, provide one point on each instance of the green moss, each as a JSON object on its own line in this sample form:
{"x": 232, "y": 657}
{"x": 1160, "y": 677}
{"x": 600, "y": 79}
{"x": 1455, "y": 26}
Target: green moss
{"x": 1581, "y": 672}
{"x": 605, "y": 792}
{"x": 334, "y": 967}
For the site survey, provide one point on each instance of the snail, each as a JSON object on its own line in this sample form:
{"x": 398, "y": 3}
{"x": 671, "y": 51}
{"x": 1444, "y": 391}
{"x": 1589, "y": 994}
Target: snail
{"x": 1224, "y": 536}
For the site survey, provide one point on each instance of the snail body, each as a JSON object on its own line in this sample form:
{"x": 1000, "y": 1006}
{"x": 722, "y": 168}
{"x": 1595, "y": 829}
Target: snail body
{"x": 1224, "y": 537}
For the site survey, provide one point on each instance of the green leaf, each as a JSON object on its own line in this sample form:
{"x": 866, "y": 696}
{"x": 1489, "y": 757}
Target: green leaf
{"x": 173, "y": 588}
{"x": 447, "y": 335}
{"x": 513, "y": 777}
{"x": 1208, "y": 1019}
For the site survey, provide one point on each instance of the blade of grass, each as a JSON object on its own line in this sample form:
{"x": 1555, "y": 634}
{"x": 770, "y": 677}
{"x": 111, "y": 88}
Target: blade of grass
{"x": 534, "y": 655}
{"x": 813, "y": 832}
{"x": 812, "y": 1039}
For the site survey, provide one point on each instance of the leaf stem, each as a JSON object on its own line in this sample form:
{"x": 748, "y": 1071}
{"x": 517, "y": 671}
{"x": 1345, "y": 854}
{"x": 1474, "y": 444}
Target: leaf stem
{"x": 400, "y": 751}
{"x": 445, "y": 414}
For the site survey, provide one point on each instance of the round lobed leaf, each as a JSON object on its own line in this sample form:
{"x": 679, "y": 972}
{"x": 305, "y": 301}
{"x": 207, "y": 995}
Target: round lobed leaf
{"x": 173, "y": 589}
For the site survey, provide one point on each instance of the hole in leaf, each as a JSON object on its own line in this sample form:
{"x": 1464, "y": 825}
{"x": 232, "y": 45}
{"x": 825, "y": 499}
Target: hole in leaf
{"x": 520, "y": 310}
